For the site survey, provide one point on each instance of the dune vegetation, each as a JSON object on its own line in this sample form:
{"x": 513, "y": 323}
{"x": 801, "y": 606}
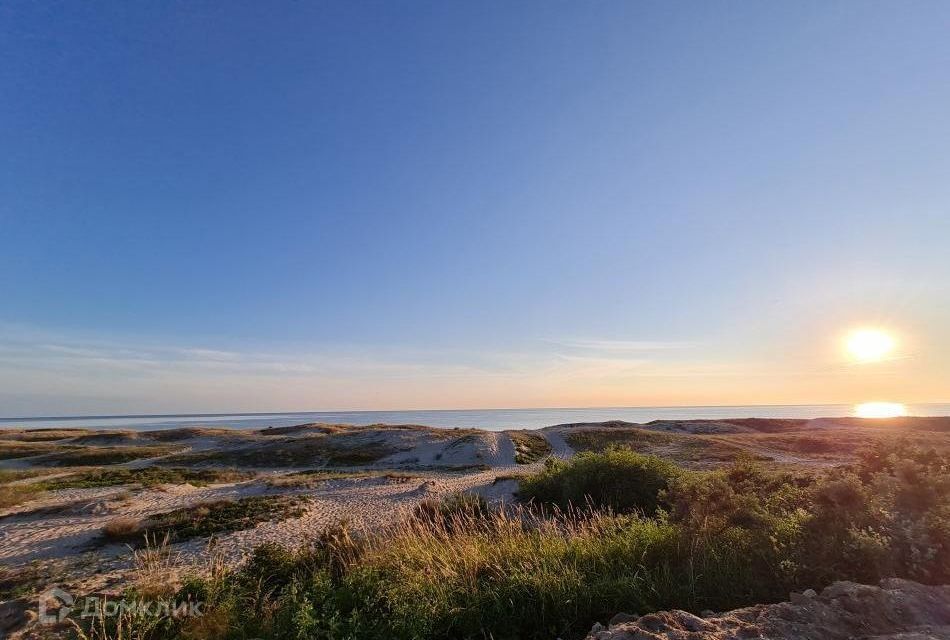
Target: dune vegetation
{"x": 529, "y": 446}
{"x": 145, "y": 476}
{"x": 601, "y": 533}
{"x": 204, "y": 519}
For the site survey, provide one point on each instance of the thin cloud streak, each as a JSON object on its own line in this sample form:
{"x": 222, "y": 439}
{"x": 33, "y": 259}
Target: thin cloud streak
{"x": 622, "y": 345}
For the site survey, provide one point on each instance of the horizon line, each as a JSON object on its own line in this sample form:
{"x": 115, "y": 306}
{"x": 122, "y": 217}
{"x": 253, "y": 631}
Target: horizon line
{"x": 290, "y": 413}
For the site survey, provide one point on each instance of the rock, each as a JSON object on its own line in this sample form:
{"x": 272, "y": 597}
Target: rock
{"x": 895, "y": 610}
{"x": 620, "y": 618}
{"x": 707, "y": 613}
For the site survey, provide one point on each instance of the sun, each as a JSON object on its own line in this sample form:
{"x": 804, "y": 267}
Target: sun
{"x": 870, "y": 345}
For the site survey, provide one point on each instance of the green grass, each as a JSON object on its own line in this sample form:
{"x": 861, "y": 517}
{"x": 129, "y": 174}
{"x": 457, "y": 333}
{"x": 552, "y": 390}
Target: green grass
{"x": 293, "y": 452}
{"x": 147, "y": 477}
{"x": 529, "y": 447}
{"x": 207, "y": 519}
{"x": 95, "y": 456}
{"x": 473, "y": 575}
{"x": 12, "y": 495}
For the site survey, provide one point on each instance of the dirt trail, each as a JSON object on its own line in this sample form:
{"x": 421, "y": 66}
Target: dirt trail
{"x": 559, "y": 446}
{"x": 500, "y": 451}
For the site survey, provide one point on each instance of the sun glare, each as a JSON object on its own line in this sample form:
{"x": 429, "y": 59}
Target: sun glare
{"x": 880, "y": 410}
{"x": 870, "y": 345}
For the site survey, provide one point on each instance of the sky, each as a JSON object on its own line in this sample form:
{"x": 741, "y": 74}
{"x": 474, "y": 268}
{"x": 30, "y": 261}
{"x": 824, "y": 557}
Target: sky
{"x": 246, "y": 206}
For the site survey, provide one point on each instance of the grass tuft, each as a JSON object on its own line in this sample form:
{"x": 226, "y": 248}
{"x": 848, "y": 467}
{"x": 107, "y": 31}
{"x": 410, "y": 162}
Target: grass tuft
{"x": 529, "y": 446}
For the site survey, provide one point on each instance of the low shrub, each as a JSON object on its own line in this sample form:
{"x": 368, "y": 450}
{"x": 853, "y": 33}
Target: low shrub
{"x": 123, "y": 529}
{"x": 618, "y": 479}
{"x": 886, "y": 515}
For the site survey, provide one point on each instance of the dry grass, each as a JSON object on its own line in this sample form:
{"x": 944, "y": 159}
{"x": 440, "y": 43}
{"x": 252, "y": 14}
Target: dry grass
{"x": 123, "y": 497}
{"x": 12, "y": 495}
{"x": 123, "y": 529}
{"x": 464, "y": 573}
{"x": 187, "y": 433}
{"x": 13, "y": 475}
{"x": 838, "y": 444}
{"x": 41, "y": 435}
{"x": 154, "y": 568}
{"x": 10, "y": 449}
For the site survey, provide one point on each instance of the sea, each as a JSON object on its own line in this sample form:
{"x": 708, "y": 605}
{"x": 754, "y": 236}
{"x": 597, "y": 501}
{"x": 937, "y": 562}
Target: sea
{"x": 490, "y": 419}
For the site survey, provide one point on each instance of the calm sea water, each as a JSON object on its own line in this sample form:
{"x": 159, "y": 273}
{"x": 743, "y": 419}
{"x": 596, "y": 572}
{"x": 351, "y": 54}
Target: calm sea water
{"x": 491, "y": 419}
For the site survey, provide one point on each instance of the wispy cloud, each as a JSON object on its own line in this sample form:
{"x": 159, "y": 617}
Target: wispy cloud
{"x": 622, "y": 345}
{"x": 73, "y": 354}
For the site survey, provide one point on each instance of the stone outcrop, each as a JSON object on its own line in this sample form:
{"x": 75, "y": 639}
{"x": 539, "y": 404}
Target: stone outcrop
{"x": 895, "y": 610}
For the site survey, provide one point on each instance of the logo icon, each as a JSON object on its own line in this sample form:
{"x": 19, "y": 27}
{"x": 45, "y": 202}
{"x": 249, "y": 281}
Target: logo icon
{"x": 55, "y": 604}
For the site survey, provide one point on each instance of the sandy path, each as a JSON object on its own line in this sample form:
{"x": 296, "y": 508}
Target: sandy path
{"x": 500, "y": 451}
{"x": 559, "y": 446}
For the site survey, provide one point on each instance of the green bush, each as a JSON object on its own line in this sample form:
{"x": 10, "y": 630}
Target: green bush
{"x": 618, "y": 479}
{"x": 887, "y": 515}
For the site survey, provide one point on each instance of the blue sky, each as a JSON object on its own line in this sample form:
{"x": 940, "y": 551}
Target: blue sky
{"x": 281, "y": 206}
